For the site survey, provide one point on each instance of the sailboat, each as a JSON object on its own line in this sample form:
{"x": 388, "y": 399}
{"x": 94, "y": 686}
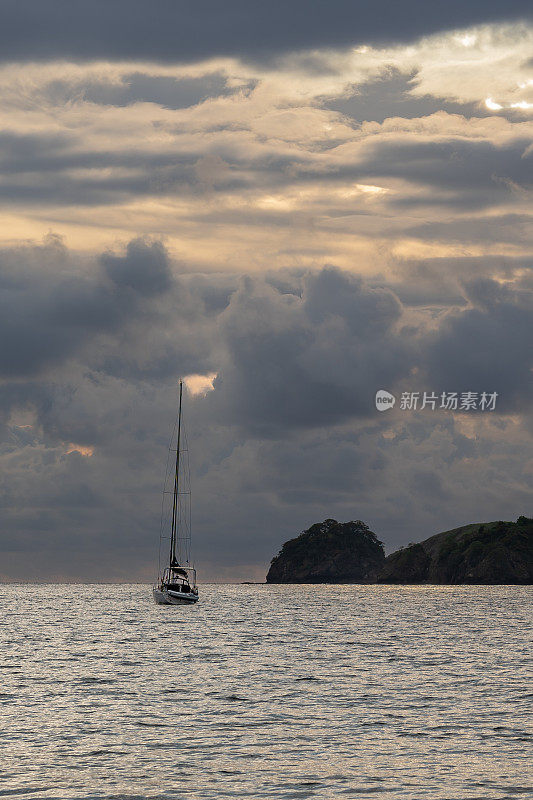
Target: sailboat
{"x": 176, "y": 583}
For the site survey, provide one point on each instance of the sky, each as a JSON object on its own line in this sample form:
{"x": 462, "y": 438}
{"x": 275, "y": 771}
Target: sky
{"x": 292, "y": 206}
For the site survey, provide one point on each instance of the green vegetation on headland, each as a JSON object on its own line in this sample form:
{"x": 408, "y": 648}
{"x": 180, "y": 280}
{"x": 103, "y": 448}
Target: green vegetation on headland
{"x": 488, "y": 553}
{"x": 481, "y": 553}
{"x": 329, "y": 552}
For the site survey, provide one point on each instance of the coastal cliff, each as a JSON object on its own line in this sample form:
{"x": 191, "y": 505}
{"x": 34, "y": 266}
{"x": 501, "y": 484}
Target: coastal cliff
{"x": 328, "y": 552}
{"x": 336, "y": 552}
{"x": 482, "y": 553}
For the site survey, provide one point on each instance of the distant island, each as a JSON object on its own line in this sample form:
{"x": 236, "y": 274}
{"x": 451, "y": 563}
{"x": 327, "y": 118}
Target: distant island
{"x": 349, "y": 552}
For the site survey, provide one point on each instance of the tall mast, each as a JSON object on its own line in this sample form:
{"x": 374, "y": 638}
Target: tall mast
{"x": 173, "y": 536}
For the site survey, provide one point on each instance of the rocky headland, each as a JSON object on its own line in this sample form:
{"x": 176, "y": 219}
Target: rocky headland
{"x": 480, "y": 553}
{"x": 328, "y": 552}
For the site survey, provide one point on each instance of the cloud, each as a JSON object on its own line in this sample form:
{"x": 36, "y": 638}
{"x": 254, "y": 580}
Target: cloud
{"x": 287, "y": 435}
{"x": 144, "y": 268}
{"x": 112, "y": 313}
{"x": 487, "y": 347}
{"x": 167, "y": 91}
{"x": 279, "y": 164}
{"x": 193, "y": 30}
{"x": 473, "y": 174}
{"x": 290, "y": 214}
{"x": 277, "y": 373}
{"x": 392, "y": 94}
{"x": 44, "y": 320}
{"x": 479, "y": 229}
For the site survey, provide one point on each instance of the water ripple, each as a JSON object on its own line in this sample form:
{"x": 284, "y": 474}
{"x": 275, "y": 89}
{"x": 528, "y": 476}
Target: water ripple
{"x": 266, "y": 692}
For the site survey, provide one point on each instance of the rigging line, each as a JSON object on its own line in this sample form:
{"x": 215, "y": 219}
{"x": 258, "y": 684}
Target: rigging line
{"x": 184, "y": 500}
{"x": 188, "y": 521}
{"x": 163, "y": 521}
{"x": 176, "y": 480}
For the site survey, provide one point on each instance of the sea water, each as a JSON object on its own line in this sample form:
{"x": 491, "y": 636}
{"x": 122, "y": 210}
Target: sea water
{"x": 266, "y": 692}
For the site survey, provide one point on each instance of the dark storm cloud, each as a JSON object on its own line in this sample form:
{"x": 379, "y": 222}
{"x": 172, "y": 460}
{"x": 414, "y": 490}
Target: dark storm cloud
{"x": 465, "y": 174}
{"x": 462, "y": 174}
{"x": 144, "y": 268}
{"x": 439, "y": 282}
{"x": 137, "y": 87}
{"x": 187, "y": 30}
{"x": 390, "y": 96}
{"x": 112, "y": 315}
{"x": 278, "y": 373}
{"x": 290, "y": 433}
{"x": 39, "y": 169}
{"x": 270, "y": 339}
{"x": 517, "y": 228}
{"x": 29, "y": 153}
{"x": 460, "y": 268}
{"x": 46, "y": 170}
{"x": 43, "y": 320}
{"x": 33, "y": 150}
{"x": 486, "y": 347}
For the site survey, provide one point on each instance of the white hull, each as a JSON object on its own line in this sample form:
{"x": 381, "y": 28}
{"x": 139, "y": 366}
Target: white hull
{"x": 165, "y": 597}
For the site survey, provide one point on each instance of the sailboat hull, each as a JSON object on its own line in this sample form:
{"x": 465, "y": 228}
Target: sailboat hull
{"x": 165, "y": 597}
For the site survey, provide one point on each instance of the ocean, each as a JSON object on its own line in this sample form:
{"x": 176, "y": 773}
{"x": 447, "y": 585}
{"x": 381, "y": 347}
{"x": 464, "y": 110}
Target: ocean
{"x": 266, "y": 692}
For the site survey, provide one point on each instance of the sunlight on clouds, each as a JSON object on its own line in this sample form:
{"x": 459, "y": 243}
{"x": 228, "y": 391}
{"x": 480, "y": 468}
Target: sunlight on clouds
{"x": 265, "y": 174}
{"x": 200, "y": 384}
{"x": 479, "y": 426}
{"x": 279, "y": 203}
{"x": 464, "y": 66}
{"x": 467, "y": 39}
{"x": 523, "y": 105}
{"x": 83, "y": 450}
{"x": 495, "y": 54}
{"x": 369, "y": 189}
{"x": 22, "y": 418}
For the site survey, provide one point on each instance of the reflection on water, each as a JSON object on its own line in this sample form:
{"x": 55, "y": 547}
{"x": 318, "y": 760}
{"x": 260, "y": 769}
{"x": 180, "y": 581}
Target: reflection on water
{"x": 265, "y": 692}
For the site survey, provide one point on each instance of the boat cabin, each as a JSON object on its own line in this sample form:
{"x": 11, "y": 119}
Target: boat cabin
{"x": 180, "y": 579}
